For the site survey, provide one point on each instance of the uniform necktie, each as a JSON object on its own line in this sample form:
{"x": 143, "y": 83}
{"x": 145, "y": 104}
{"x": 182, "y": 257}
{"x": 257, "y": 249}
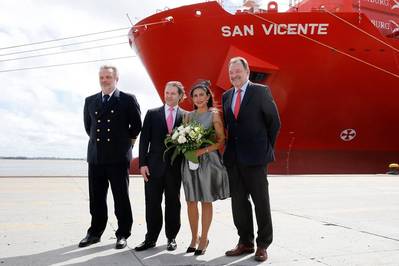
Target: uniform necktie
{"x": 169, "y": 120}
{"x": 105, "y": 98}
{"x": 237, "y": 104}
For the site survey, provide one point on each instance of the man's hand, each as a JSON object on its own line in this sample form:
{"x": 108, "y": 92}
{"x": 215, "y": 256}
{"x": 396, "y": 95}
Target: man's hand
{"x": 145, "y": 172}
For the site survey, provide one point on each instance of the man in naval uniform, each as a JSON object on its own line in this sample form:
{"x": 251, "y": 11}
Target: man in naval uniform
{"x": 112, "y": 121}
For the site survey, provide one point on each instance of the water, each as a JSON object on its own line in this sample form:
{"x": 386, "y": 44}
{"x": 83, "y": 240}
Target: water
{"x": 43, "y": 168}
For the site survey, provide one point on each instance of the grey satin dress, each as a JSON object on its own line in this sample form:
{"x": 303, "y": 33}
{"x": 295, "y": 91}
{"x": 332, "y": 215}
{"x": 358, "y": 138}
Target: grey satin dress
{"x": 210, "y": 181}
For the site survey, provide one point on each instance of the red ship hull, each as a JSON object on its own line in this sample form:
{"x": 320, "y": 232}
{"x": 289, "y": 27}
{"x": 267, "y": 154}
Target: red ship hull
{"x": 336, "y": 88}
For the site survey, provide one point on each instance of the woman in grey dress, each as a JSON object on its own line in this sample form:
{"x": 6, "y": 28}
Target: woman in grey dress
{"x": 210, "y": 181}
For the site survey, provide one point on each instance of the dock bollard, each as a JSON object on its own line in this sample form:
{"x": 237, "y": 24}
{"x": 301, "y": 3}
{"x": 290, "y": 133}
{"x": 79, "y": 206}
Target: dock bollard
{"x": 393, "y": 169}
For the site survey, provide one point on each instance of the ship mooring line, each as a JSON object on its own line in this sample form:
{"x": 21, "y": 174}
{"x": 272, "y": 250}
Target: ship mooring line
{"x": 63, "y": 45}
{"x": 65, "y": 38}
{"x": 334, "y": 49}
{"x": 67, "y": 64}
{"x": 64, "y": 52}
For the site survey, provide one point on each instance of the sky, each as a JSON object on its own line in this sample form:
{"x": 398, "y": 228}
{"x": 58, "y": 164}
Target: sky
{"x": 41, "y": 110}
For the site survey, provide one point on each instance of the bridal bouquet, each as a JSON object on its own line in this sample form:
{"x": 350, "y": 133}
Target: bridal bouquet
{"x": 186, "y": 139}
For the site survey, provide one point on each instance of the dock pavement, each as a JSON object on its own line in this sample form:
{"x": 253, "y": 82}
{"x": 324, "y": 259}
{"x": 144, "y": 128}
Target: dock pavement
{"x": 317, "y": 219}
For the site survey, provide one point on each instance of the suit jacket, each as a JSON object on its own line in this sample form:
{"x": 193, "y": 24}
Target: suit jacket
{"x": 111, "y": 127}
{"x": 251, "y": 137}
{"x": 152, "y": 147}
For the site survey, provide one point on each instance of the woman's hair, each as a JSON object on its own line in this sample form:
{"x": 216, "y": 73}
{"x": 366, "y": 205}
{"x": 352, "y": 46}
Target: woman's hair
{"x": 205, "y": 85}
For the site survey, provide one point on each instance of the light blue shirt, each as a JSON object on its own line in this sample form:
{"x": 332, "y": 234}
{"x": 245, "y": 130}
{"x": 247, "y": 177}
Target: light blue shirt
{"x": 243, "y": 89}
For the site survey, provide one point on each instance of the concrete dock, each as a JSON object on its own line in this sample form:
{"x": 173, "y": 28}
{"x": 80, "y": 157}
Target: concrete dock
{"x": 318, "y": 220}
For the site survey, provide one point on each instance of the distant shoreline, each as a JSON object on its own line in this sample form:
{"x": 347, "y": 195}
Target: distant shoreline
{"x": 39, "y": 158}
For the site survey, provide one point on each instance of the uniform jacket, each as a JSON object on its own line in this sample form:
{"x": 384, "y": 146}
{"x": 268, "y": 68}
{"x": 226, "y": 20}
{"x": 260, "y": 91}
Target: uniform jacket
{"x": 111, "y": 127}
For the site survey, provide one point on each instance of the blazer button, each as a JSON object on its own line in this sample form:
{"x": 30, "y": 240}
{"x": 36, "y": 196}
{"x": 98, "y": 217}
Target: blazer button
{"x": 98, "y": 121}
{"x": 98, "y": 140}
{"x": 108, "y": 129}
{"x": 98, "y": 130}
{"x": 96, "y": 112}
{"x": 108, "y": 140}
{"x": 109, "y": 120}
{"x": 112, "y": 111}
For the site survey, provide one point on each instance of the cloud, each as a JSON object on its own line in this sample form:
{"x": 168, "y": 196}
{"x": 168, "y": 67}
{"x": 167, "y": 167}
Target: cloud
{"x": 41, "y": 110}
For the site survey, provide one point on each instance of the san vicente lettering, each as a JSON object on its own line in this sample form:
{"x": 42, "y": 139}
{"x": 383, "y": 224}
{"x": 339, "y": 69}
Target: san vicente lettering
{"x": 275, "y": 29}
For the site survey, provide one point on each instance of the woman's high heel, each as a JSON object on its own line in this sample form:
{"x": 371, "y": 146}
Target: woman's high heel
{"x": 190, "y": 250}
{"x": 198, "y": 252}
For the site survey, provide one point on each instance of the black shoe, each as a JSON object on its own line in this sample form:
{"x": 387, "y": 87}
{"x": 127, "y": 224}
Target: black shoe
{"x": 145, "y": 245}
{"x": 120, "y": 242}
{"x": 198, "y": 252}
{"x": 88, "y": 240}
{"x": 171, "y": 244}
{"x": 190, "y": 250}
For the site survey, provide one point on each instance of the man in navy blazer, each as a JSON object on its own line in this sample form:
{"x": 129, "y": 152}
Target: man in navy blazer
{"x": 160, "y": 176}
{"x": 252, "y": 122}
{"x": 112, "y": 121}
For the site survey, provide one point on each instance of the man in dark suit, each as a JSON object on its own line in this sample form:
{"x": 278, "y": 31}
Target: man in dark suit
{"x": 160, "y": 175}
{"x": 112, "y": 121}
{"x": 252, "y": 123}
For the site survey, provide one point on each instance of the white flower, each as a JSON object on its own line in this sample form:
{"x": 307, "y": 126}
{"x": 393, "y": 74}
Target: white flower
{"x": 175, "y": 135}
{"x": 192, "y": 134}
{"x": 181, "y": 139}
{"x": 199, "y": 136}
{"x": 180, "y": 128}
{"x": 188, "y": 129}
{"x": 197, "y": 129}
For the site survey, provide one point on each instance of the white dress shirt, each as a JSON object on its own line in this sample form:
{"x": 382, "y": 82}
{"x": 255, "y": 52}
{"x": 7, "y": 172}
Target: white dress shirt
{"x": 110, "y": 95}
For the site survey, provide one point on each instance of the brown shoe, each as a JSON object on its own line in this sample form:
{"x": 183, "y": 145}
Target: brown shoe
{"x": 240, "y": 249}
{"x": 261, "y": 254}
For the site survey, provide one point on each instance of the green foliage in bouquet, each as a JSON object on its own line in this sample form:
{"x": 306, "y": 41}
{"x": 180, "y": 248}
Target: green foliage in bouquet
{"x": 187, "y": 138}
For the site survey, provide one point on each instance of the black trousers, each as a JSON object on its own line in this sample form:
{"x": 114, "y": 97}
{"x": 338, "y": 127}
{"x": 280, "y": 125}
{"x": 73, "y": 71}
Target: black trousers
{"x": 168, "y": 184}
{"x": 252, "y": 181}
{"x": 100, "y": 176}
